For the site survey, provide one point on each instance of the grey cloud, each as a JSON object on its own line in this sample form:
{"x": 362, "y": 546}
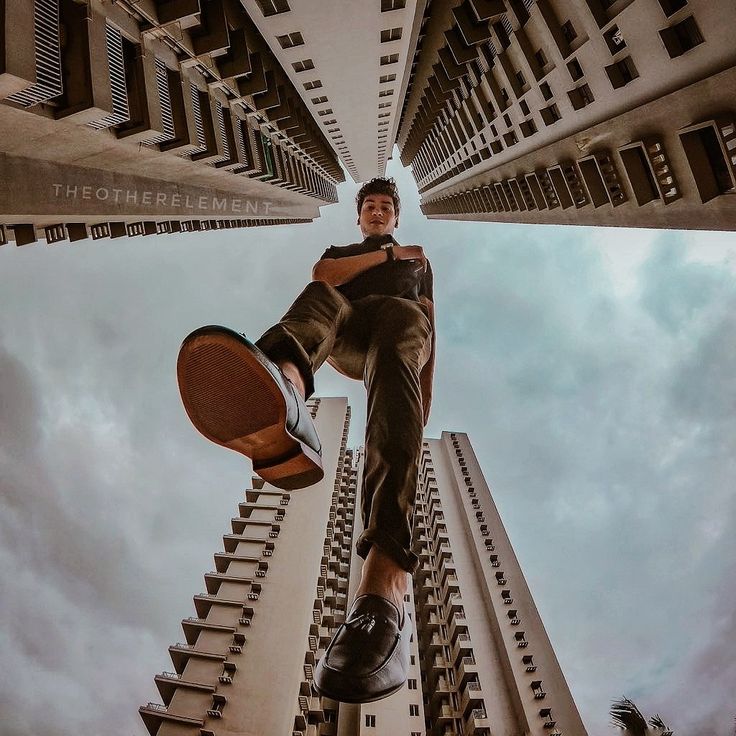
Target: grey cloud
{"x": 602, "y": 423}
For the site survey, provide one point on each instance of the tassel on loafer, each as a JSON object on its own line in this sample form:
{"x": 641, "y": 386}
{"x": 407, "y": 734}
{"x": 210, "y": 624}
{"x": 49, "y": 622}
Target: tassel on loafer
{"x": 237, "y": 397}
{"x": 368, "y": 657}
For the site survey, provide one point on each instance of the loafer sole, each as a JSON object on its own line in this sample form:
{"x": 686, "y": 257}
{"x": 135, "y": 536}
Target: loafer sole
{"x": 234, "y": 401}
{"x": 355, "y": 699}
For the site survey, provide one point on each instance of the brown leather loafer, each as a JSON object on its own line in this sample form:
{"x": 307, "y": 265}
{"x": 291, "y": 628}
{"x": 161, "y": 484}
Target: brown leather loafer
{"x": 236, "y": 397}
{"x": 368, "y": 658}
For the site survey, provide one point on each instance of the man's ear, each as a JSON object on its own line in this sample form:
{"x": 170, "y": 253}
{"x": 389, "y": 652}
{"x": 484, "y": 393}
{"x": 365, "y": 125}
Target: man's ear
{"x": 397, "y": 222}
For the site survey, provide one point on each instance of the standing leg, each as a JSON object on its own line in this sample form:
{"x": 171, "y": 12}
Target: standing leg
{"x": 400, "y": 345}
{"x": 368, "y": 657}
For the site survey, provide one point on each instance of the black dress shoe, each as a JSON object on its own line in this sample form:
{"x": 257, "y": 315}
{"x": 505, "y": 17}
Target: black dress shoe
{"x": 236, "y": 397}
{"x": 368, "y": 658}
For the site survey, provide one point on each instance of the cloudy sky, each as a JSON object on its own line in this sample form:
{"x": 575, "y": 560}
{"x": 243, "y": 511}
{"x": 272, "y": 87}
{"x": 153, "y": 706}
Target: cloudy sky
{"x": 594, "y": 370}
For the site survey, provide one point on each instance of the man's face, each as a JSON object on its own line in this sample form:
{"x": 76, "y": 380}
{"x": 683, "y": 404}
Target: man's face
{"x": 377, "y": 215}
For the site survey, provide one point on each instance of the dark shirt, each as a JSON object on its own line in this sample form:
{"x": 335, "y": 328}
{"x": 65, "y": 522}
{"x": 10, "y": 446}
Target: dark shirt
{"x": 406, "y": 279}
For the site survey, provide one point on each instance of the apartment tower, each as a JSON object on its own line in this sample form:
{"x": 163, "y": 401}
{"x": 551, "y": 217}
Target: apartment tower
{"x": 481, "y": 662}
{"x": 597, "y": 112}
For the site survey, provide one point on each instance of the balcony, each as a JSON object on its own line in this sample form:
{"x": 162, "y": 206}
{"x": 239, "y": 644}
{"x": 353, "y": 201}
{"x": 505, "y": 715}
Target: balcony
{"x": 458, "y": 625}
{"x": 204, "y": 602}
{"x": 192, "y": 626}
{"x": 441, "y": 691}
{"x": 154, "y": 714}
{"x": 477, "y": 722}
{"x": 214, "y": 579}
{"x": 462, "y": 647}
{"x": 471, "y": 697}
{"x": 468, "y": 670}
{"x": 181, "y": 653}
{"x": 169, "y": 682}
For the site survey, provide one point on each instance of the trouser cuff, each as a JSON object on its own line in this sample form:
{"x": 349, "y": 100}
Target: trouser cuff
{"x": 282, "y": 346}
{"x": 405, "y": 558}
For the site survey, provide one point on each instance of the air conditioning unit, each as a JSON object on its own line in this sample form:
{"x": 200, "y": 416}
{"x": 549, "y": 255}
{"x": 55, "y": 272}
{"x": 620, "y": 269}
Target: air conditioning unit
{"x": 531, "y": 668}
{"x": 236, "y": 649}
{"x": 515, "y": 621}
{"x": 212, "y": 713}
{"x": 226, "y": 679}
{"x": 252, "y": 596}
{"x": 244, "y": 621}
{"x": 523, "y": 644}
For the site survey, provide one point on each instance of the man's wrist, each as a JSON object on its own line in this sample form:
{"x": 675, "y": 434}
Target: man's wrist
{"x": 390, "y": 254}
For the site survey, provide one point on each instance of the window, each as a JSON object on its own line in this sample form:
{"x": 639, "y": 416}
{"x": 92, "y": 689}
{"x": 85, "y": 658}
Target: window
{"x": 387, "y": 78}
{"x": 390, "y": 34}
{"x": 710, "y": 167}
{"x": 580, "y": 97}
{"x": 569, "y": 32}
{"x": 319, "y": 100}
{"x": 640, "y": 173}
{"x": 622, "y": 72}
{"x": 273, "y": 7}
{"x": 385, "y": 93}
{"x": 384, "y": 104}
{"x": 550, "y": 115}
{"x": 507, "y": 120}
{"x": 290, "y": 40}
{"x": 681, "y": 37}
{"x": 576, "y": 71}
{"x": 412, "y": 684}
{"x": 504, "y": 95}
{"x": 370, "y": 721}
{"x": 303, "y": 66}
{"x": 524, "y": 107}
{"x": 327, "y": 111}
{"x": 670, "y": 7}
{"x": 413, "y": 709}
{"x": 329, "y": 122}
{"x": 389, "y": 59}
{"x": 413, "y": 659}
{"x": 315, "y": 84}
{"x": 546, "y": 91}
{"x": 541, "y": 58}
{"x": 387, "y": 5}
{"x": 614, "y": 39}
{"x": 385, "y": 115}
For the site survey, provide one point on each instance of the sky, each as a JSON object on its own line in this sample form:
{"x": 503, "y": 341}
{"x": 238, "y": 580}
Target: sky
{"x": 593, "y": 369}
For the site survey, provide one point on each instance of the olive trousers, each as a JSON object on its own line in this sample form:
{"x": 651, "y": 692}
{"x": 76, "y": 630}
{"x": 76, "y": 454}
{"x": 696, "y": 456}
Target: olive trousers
{"x": 383, "y": 341}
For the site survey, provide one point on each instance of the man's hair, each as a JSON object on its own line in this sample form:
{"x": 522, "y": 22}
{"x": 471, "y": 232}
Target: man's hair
{"x": 379, "y": 185}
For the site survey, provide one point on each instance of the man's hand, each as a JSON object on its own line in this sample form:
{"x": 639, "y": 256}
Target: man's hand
{"x": 410, "y": 253}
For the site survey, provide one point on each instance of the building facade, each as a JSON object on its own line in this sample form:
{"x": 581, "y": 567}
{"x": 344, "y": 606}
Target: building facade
{"x": 151, "y": 116}
{"x": 481, "y": 661}
{"x": 598, "y": 112}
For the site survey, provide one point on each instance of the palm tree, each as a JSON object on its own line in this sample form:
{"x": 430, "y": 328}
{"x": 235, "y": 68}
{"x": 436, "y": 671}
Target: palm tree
{"x": 627, "y": 717}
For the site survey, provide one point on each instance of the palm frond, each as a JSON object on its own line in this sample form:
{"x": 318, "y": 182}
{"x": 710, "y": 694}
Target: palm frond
{"x": 656, "y": 721}
{"x": 626, "y": 716}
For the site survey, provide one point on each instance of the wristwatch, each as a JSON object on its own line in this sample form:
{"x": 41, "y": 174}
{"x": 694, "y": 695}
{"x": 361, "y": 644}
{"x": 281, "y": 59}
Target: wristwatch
{"x": 390, "y": 252}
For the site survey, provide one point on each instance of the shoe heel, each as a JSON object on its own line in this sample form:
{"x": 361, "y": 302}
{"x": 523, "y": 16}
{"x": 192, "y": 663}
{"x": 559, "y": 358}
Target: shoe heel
{"x": 302, "y": 469}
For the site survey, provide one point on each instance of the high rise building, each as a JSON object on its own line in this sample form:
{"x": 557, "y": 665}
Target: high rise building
{"x": 157, "y": 116}
{"x": 152, "y": 116}
{"x": 481, "y": 661}
{"x": 598, "y": 112}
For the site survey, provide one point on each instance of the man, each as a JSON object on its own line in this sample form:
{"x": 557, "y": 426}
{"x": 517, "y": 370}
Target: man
{"x": 369, "y": 312}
